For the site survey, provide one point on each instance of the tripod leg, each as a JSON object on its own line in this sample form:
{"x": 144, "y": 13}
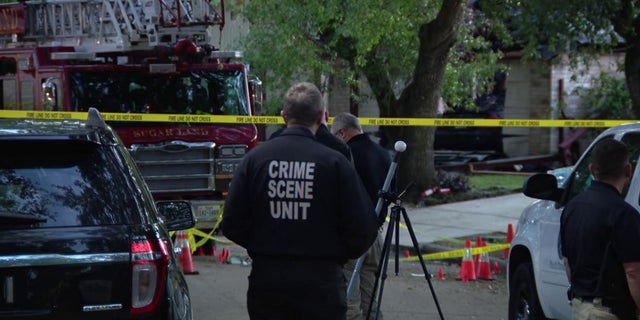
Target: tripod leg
{"x": 427, "y": 275}
{"x": 397, "y": 261}
{"x": 382, "y": 265}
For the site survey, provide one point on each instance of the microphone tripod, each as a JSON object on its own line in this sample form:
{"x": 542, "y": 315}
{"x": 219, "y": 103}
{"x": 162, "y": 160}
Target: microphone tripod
{"x": 394, "y": 225}
{"x": 397, "y": 211}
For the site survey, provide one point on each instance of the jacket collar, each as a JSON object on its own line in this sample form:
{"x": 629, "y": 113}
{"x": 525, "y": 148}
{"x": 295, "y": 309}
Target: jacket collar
{"x": 298, "y": 131}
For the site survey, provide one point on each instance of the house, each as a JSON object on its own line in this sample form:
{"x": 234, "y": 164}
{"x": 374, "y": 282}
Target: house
{"x": 547, "y": 90}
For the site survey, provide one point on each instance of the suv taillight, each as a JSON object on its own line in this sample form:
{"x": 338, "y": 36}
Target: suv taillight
{"x": 148, "y": 269}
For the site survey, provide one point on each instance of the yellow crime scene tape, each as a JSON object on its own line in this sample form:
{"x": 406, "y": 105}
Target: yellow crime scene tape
{"x": 193, "y": 232}
{"x": 226, "y": 119}
{"x": 234, "y": 119}
{"x": 458, "y": 253}
{"x": 453, "y": 253}
{"x": 194, "y": 245}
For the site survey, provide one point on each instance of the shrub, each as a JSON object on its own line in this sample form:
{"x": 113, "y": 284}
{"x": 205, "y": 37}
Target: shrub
{"x": 456, "y": 181}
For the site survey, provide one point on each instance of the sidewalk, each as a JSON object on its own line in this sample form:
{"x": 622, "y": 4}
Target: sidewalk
{"x": 460, "y": 219}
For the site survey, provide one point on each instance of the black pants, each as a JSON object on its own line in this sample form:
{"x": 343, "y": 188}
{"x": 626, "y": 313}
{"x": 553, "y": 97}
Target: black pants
{"x": 298, "y": 289}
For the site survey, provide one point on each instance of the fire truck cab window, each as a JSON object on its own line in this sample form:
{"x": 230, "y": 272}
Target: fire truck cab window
{"x": 7, "y": 66}
{"x": 188, "y": 92}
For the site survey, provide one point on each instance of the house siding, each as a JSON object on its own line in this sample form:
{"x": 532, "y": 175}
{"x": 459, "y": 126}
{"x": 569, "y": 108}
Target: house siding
{"x": 564, "y": 95}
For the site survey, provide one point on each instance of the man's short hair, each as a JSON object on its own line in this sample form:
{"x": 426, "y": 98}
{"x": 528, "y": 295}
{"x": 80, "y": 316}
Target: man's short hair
{"x": 303, "y": 104}
{"x": 345, "y": 120}
{"x": 609, "y": 159}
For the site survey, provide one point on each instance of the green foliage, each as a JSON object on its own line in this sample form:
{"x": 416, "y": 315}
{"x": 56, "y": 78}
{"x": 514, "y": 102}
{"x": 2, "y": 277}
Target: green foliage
{"x": 581, "y": 29}
{"x": 298, "y": 41}
{"x": 473, "y": 61}
{"x": 609, "y": 97}
{"x": 550, "y": 26}
{"x": 293, "y": 41}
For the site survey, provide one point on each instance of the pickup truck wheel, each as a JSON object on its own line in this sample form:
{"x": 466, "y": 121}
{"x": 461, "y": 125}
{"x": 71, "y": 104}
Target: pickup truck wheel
{"x": 523, "y": 296}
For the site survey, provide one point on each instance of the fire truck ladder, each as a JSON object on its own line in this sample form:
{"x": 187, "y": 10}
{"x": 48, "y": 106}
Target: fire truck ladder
{"x": 115, "y": 25}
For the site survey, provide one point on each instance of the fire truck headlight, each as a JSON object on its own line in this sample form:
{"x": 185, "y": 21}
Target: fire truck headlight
{"x": 229, "y": 157}
{"x": 232, "y": 151}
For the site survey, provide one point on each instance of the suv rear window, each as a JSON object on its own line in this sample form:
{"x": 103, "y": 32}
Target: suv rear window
{"x": 62, "y": 183}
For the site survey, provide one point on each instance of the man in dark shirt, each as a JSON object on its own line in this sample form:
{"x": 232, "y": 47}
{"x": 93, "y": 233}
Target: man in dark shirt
{"x": 599, "y": 234}
{"x": 372, "y": 163}
{"x": 301, "y": 212}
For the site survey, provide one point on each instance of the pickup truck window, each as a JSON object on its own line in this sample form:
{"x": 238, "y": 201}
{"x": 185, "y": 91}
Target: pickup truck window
{"x": 582, "y": 177}
{"x": 632, "y": 140}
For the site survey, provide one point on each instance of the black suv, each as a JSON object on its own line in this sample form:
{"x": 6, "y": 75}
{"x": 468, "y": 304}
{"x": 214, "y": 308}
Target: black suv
{"x": 80, "y": 235}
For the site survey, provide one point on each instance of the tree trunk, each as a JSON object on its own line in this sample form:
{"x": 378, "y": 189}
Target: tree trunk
{"x": 632, "y": 74}
{"x": 627, "y": 25}
{"x": 420, "y": 99}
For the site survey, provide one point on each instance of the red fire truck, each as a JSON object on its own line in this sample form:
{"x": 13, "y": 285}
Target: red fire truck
{"x": 138, "y": 56}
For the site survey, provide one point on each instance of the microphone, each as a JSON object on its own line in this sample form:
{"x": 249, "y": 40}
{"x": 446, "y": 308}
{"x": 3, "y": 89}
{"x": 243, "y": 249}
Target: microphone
{"x": 400, "y": 146}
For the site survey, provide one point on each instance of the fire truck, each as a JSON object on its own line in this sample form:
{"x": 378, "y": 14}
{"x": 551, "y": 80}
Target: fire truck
{"x": 145, "y": 57}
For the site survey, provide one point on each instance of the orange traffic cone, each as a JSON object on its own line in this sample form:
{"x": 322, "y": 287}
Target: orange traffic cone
{"x": 182, "y": 242}
{"x": 223, "y": 256}
{"x": 510, "y": 234}
{"x": 213, "y": 251}
{"x": 484, "y": 267}
{"x": 496, "y": 267}
{"x": 440, "y": 274}
{"x": 407, "y": 253}
{"x": 467, "y": 270}
{"x": 227, "y": 255}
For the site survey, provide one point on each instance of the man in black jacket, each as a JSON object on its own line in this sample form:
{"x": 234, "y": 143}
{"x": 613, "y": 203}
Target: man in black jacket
{"x": 372, "y": 163}
{"x": 324, "y": 136}
{"x": 301, "y": 212}
{"x": 599, "y": 234}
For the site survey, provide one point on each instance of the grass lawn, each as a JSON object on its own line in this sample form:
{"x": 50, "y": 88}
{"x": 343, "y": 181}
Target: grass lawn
{"x": 482, "y": 186}
{"x": 497, "y": 181}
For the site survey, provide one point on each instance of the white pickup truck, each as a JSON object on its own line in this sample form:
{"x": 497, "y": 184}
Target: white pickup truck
{"x": 536, "y": 276}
